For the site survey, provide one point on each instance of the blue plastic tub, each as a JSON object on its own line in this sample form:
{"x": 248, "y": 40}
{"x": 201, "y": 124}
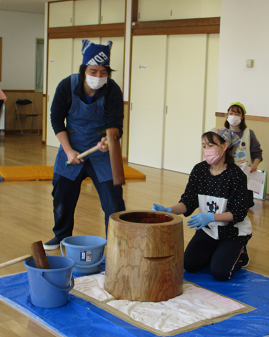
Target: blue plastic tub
{"x": 87, "y": 251}
{"x": 49, "y": 287}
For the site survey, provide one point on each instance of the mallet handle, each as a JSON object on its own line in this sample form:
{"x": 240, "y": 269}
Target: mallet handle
{"x": 18, "y": 259}
{"x": 84, "y": 154}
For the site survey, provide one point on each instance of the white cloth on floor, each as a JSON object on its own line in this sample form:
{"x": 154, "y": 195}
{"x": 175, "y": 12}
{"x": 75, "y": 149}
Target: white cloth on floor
{"x": 194, "y": 305}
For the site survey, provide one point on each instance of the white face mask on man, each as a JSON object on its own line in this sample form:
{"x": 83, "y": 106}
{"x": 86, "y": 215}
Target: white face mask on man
{"x": 234, "y": 120}
{"x": 95, "y": 83}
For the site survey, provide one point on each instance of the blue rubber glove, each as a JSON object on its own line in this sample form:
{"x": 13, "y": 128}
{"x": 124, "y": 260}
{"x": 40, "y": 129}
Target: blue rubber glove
{"x": 161, "y": 208}
{"x": 200, "y": 220}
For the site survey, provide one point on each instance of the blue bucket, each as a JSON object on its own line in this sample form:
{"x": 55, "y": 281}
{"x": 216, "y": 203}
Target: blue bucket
{"x": 87, "y": 251}
{"x": 49, "y": 287}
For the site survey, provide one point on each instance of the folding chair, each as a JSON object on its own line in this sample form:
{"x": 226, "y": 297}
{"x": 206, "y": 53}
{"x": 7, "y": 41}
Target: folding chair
{"x": 24, "y": 108}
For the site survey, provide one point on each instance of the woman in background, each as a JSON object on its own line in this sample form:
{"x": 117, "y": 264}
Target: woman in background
{"x": 249, "y": 151}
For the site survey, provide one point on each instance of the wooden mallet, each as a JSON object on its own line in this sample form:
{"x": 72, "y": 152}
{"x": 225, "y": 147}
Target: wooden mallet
{"x": 38, "y": 254}
{"x": 114, "y": 155}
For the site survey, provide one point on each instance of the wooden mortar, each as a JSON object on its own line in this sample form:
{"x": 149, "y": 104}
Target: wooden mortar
{"x": 144, "y": 259}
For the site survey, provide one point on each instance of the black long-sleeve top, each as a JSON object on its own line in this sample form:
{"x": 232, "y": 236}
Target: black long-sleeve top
{"x": 62, "y": 102}
{"x": 225, "y": 192}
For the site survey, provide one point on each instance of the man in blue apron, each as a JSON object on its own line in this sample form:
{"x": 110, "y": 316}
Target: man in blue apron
{"x": 83, "y": 107}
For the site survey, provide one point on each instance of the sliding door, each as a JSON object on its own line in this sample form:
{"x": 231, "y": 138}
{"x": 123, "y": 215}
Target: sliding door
{"x": 147, "y": 100}
{"x": 186, "y": 68}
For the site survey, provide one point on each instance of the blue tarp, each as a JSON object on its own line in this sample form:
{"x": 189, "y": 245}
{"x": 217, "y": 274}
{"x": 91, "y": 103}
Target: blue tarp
{"x": 81, "y": 318}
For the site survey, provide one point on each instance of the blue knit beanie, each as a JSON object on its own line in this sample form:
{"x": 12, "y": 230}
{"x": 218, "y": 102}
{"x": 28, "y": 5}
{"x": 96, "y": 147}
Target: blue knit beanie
{"x": 96, "y": 54}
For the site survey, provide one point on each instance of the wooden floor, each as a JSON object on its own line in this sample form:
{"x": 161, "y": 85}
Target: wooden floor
{"x": 26, "y": 216}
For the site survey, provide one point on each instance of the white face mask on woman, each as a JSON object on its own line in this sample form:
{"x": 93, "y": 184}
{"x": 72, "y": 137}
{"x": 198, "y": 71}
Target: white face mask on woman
{"x": 95, "y": 83}
{"x": 234, "y": 120}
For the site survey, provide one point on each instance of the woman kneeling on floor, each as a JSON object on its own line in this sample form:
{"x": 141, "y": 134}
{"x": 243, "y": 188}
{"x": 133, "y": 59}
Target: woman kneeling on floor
{"x": 219, "y": 188}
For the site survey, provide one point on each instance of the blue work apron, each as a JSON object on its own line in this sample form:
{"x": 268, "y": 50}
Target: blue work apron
{"x": 83, "y": 123}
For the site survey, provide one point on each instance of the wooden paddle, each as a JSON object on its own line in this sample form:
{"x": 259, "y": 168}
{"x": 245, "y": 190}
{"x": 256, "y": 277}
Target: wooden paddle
{"x": 38, "y": 254}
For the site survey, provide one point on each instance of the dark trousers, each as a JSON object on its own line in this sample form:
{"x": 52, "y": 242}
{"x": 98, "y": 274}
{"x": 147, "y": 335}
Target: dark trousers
{"x": 250, "y": 198}
{"x": 66, "y": 193}
{"x": 222, "y": 257}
